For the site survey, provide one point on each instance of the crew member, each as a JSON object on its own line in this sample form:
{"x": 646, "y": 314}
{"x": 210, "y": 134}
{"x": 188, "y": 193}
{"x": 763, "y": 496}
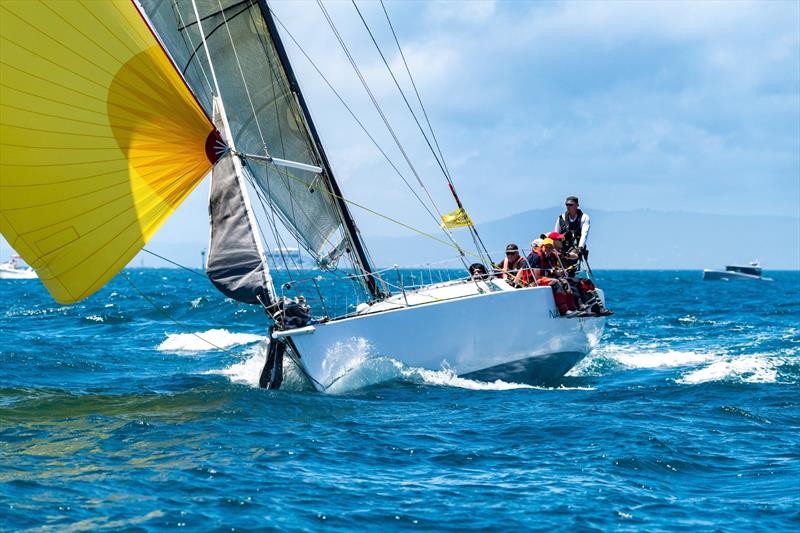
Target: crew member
{"x": 535, "y": 244}
{"x": 544, "y": 261}
{"x": 477, "y": 272}
{"x": 514, "y": 268}
{"x": 546, "y": 269}
{"x": 569, "y": 257}
{"x": 574, "y": 225}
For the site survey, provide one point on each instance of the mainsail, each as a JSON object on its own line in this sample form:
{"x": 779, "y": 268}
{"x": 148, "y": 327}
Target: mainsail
{"x": 262, "y": 107}
{"x": 100, "y": 139}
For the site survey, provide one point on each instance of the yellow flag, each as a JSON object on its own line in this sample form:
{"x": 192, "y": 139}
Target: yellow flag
{"x": 100, "y": 139}
{"x": 457, "y": 219}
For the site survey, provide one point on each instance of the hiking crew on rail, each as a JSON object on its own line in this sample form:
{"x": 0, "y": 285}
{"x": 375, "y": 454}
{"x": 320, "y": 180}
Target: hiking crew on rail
{"x": 555, "y": 260}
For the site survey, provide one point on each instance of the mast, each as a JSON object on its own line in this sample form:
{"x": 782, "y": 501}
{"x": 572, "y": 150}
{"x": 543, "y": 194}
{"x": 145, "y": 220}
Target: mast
{"x": 347, "y": 218}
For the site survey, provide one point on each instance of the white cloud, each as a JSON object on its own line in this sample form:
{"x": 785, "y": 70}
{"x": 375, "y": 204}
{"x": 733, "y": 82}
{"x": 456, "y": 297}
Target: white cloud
{"x": 463, "y": 11}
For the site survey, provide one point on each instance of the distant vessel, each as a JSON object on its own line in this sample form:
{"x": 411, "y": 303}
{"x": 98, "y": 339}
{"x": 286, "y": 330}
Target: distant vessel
{"x": 16, "y": 269}
{"x": 751, "y": 271}
{"x": 286, "y": 258}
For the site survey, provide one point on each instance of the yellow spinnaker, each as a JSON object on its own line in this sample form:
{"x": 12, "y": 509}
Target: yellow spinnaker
{"x": 100, "y": 139}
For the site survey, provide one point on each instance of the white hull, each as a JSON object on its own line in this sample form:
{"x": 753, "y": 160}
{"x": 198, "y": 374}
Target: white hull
{"x": 499, "y": 333}
{"x": 17, "y": 273}
{"x": 726, "y": 275}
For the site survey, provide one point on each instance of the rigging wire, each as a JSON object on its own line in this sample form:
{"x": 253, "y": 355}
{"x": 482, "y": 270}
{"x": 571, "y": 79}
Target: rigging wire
{"x": 414, "y": 85}
{"x": 462, "y": 252}
{"x": 384, "y": 118}
{"x": 272, "y": 223}
{"x": 276, "y": 73}
{"x": 255, "y": 119}
{"x": 205, "y": 46}
{"x": 241, "y": 74}
{"x": 476, "y": 238}
{"x": 276, "y": 78}
{"x": 193, "y": 271}
{"x": 355, "y": 117}
{"x": 400, "y": 89}
{"x": 183, "y": 31}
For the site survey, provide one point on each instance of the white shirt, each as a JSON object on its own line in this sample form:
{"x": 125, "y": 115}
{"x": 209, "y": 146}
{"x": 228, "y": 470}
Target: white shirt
{"x": 584, "y": 228}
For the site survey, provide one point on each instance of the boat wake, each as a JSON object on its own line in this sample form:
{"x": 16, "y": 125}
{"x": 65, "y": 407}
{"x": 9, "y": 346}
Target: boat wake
{"x": 365, "y": 372}
{"x": 695, "y": 367}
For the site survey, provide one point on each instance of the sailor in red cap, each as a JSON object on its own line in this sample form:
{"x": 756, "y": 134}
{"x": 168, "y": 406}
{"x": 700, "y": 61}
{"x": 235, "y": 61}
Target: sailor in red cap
{"x": 569, "y": 258}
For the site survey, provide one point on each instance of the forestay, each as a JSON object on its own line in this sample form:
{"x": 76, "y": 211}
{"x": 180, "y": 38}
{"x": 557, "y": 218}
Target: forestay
{"x": 263, "y": 114}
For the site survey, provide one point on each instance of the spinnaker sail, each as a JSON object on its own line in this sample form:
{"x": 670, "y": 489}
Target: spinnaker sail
{"x": 100, "y": 139}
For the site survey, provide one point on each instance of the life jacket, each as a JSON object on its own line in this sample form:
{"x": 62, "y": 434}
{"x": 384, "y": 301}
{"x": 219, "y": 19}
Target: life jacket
{"x": 570, "y": 228}
{"x": 520, "y": 265}
{"x": 546, "y": 264}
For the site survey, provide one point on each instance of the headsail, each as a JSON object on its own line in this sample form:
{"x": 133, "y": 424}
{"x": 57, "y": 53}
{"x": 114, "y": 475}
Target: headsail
{"x": 235, "y": 263}
{"x": 100, "y": 139}
{"x": 262, "y": 108}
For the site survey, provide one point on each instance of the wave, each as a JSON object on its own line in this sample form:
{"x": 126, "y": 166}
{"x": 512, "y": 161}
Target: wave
{"x": 744, "y": 368}
{"x": 613, "y": 357}
{"x": 212, "y": 339}
{"x": 665, "y": 359}
{"x": 703, "y": 366}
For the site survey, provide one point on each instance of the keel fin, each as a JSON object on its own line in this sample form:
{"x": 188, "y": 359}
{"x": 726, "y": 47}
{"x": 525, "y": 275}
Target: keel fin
{"x": 272, "y": 373}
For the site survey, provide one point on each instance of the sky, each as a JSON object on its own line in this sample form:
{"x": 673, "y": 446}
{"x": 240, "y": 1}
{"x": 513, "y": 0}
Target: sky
{"x": 675, "y": 106}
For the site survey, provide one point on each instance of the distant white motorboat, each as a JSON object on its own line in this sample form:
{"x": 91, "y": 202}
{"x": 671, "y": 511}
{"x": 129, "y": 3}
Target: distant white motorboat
{"x": 286, "y": 258}
{"x": 731, "y": 272}
{"x": 16, "y": 269}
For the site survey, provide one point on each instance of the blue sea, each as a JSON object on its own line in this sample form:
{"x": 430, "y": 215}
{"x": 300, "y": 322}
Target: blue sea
{"x": 117, "y": 414}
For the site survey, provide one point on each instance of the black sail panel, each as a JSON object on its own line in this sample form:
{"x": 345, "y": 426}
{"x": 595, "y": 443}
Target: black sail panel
{"x": 235, "y": 264}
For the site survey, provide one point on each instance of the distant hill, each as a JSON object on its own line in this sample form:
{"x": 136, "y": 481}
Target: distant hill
{"x": 641, "y": 239}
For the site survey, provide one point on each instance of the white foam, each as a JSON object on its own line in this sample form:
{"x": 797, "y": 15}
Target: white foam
{"x": 205, "y": 341}
{"x": 641, "y": 356}
{"x": 746, "y": 368}
{"x": 364, "y": 373}
{"x": 666, "y": 359}
{"x": 447, "y": 377}
{"x": 248, "y": 370}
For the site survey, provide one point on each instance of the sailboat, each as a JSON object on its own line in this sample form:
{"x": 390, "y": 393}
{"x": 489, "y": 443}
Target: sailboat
{"x": 14, "y": 269}
{"x": 113, "y": 112}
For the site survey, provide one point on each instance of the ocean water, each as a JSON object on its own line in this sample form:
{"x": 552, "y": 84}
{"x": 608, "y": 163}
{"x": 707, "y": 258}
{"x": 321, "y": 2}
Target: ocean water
{"x": 117, "y": 413}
